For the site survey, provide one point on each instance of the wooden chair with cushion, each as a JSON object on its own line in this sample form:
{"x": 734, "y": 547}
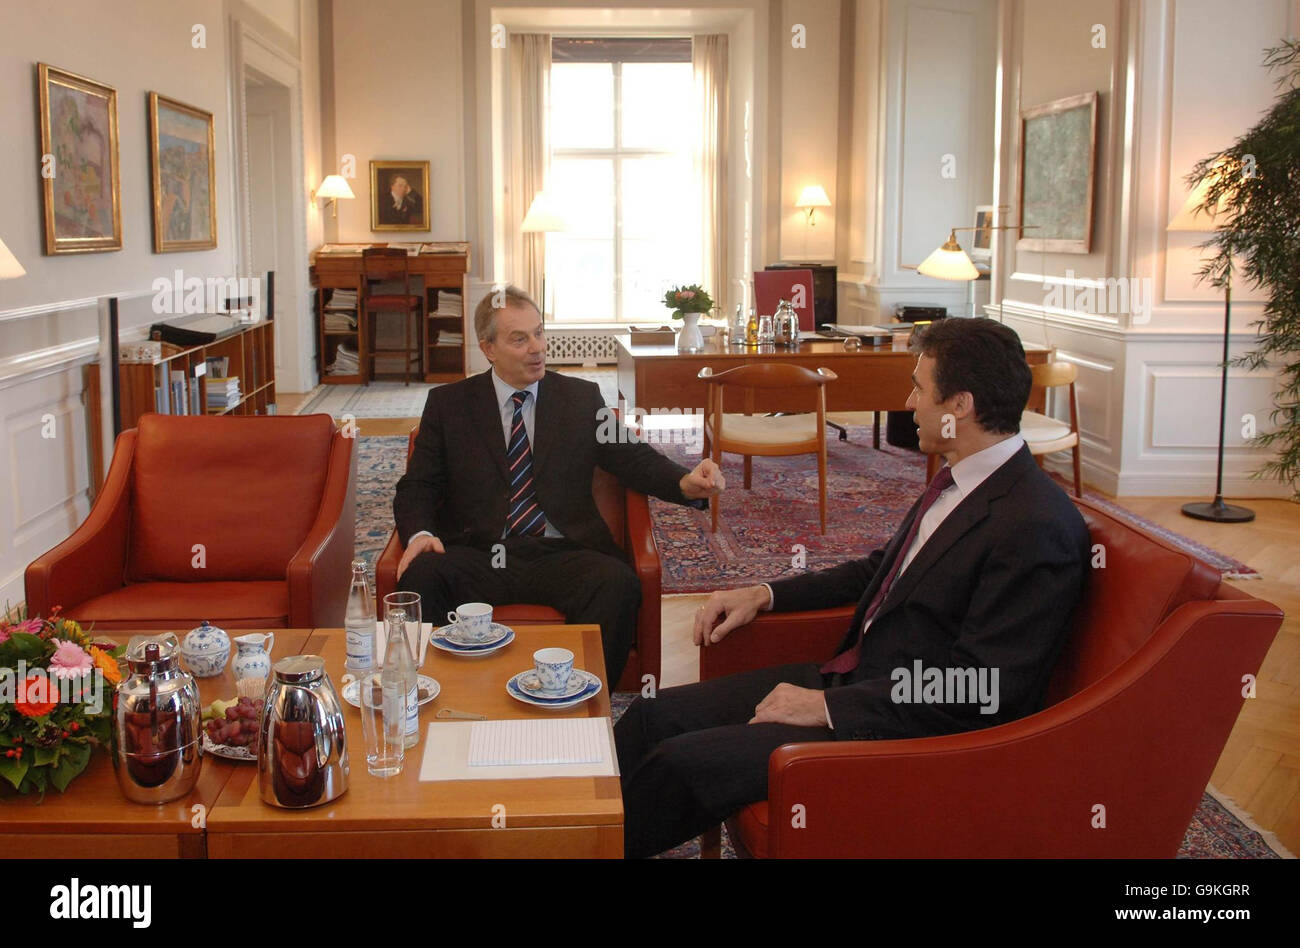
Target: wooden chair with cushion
{"x": 763, "y": 435}
{"x": 1045, "y": 434}
{"x": 247, "y": 521}
{"x": 1137, "y": 712}
{"x": 627, "y": 514}
{"x": 389, "y": 264}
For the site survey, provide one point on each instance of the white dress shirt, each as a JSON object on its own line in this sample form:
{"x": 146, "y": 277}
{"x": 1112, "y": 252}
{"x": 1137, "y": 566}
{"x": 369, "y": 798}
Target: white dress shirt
{"x": 967, "y": 474}
{"x": 506, "y": 404}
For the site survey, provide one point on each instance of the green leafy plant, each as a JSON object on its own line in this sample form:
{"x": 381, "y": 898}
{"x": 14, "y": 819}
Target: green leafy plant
{"x": 1254, "y": 186}
{"x": 687, "y": 299}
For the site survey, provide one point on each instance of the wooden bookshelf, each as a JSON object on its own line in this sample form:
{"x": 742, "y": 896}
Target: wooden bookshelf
{"x": 251, "y": 358}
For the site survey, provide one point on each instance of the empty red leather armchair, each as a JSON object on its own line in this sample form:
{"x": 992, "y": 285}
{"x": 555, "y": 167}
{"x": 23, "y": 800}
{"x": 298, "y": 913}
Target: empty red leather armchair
{"x": 245, "y": 521}
{"x": 627, "y": 514}
{"x": 1140, "y": 706}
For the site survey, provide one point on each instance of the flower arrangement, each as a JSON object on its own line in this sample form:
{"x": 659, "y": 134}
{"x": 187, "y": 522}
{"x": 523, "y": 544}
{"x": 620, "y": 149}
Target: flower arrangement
{"x": 55, "y": 700}
{"x": 687, "y": 299}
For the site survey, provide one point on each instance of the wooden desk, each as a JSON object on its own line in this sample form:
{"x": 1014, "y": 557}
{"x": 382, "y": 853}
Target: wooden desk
{"x": 400, "y": 816}
{"x": 440, "y": 271}
{"x": 654, "y": 378}
{"x": 92, "y": 820}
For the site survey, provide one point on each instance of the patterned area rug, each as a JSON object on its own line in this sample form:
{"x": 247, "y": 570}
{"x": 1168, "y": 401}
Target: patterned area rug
{"x": 1214, "y": 833}
{"x": 376, "y": 400}
{"x": 380, "y": 463}
{"x": 771, "y": 531}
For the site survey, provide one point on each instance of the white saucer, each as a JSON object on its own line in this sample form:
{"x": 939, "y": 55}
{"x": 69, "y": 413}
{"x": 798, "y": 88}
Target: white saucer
{"x": 427, "y": 689}
{"x": 446, "y": 644}
{"x": 590, "y": 689}
{"x": 529, "y": 684}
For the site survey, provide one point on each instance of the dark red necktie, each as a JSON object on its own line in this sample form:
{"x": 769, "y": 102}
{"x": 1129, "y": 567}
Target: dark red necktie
{"x": 847, "y": 660}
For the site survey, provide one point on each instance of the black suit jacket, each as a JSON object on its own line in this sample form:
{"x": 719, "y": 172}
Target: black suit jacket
{"x": 993, "y": 587}
{"x": 456, "y": 484}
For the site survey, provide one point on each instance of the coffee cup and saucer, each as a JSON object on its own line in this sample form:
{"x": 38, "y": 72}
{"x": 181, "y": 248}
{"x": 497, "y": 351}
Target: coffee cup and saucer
{"x": 471, "y": 631}
{"x": 553, "y": 682}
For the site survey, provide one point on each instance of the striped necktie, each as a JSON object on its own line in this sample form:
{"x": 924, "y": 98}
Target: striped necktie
{"x": 526, "y": 518}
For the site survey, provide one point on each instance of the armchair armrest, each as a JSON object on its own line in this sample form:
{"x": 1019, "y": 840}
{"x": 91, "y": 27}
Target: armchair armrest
{"x": 386, "y": 567}
{"x": 777, "y": 638}
{"x": 1030, "y": 788}
{"x": 92, "y": 561}
{"x": 318, "y": 572}
{"x": 644, "y": 553}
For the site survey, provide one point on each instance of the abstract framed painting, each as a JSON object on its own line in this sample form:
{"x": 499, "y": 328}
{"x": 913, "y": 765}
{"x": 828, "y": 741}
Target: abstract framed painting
{"x": 1058, "y": 155}
{"x": 399, "y": 195}
{"x": 79, "y": 163}
{"x": 182, "y": 161}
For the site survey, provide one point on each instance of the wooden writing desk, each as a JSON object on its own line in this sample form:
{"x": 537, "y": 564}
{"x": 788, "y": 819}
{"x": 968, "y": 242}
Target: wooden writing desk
{"x": 654, "y": 378}
{"x": 402, "y": 817}
{"x": 445, "y": 271}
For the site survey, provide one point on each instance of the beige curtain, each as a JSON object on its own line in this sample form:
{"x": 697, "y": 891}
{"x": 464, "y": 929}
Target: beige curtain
{"x": 529, "y": 85}
{"x": 709, "y": 58}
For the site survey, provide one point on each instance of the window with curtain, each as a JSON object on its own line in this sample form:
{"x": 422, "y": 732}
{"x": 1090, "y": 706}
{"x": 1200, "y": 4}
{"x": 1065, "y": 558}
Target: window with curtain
{"x": 622, "y": 134}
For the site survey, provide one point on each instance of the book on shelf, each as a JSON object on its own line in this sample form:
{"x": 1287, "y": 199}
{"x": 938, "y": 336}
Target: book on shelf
{"x": 180, "y": 393}
{"x": 218, "y": 366}
{"x": 197, "y": 406}
{"x": 346, "y": 361}
{"x": 223, "y": 393}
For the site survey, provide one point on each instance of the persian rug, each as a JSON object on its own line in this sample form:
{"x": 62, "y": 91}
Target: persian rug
{"x": 771, "y": 531}
{"x": 376, "y": 400}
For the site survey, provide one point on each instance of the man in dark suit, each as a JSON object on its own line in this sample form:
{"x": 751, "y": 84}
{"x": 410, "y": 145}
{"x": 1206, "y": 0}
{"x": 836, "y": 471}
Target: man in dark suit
{"x": 496, "y": 502}
{"x": 959, "y": 618}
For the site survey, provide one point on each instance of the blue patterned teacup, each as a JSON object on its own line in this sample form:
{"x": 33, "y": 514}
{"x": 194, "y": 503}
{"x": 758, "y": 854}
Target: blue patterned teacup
{"x": 554, "y": 668}
{"x": 472, "y": 623}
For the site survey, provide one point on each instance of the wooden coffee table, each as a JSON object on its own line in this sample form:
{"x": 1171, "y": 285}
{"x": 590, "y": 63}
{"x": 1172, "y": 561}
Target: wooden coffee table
{"x": 93, "y": 820}
{"x": 400, "y": 816}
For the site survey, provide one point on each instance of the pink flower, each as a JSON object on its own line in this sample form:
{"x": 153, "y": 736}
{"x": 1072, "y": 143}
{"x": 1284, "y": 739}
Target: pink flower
{"x": 4, "y": 634}
{"x": 70, "y": 661}
{"x": 686, "y": 294}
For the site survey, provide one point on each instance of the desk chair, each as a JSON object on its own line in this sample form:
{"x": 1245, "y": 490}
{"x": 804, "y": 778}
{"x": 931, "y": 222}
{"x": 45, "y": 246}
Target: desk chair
{"x": 383, "y": 264}
{"x": 1045, "y": 434}
{"x": 766, "y": 436}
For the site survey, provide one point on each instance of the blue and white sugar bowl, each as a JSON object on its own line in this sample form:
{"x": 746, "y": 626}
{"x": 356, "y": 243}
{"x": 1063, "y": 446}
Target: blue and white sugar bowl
{"x": 206, "y": 650}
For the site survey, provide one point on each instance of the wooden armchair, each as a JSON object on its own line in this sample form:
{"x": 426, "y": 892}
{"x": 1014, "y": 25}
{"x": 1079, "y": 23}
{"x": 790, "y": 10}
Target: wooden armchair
{"x": 627, "y": 513}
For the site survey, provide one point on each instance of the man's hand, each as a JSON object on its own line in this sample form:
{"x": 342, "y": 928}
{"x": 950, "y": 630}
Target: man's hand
{"x": 738, "y": 605}
{"x": 790, "y": 704}
{"x": 418, "y": 545}
{"x": 705, "y": 481}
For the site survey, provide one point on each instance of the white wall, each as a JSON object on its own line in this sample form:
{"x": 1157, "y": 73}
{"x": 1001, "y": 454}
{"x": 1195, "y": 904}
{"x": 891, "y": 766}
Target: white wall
{"x": 1179, "y": 79}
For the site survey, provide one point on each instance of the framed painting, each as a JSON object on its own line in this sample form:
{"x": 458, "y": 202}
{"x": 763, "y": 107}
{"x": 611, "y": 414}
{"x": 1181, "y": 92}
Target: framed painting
{"x": 399, "y": 195}
{"x": 981, "y": 244}
{"x": 79, "y": 164}
{"x": 182, "y": 163}
{"x": 1058, "y": 154}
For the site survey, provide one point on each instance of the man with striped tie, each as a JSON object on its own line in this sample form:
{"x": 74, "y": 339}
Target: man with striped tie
{"x": 496, "y": 503}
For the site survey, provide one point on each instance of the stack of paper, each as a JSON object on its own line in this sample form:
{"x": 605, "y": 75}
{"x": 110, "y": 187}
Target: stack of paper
{"x": 223, "y": 393}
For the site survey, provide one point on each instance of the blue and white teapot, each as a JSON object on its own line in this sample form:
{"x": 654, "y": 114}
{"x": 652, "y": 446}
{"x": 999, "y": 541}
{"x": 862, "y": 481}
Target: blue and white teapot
{"x": 206, "y": 650}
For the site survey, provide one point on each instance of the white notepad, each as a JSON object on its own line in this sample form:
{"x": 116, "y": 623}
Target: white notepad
{"x": 524, "y": 742}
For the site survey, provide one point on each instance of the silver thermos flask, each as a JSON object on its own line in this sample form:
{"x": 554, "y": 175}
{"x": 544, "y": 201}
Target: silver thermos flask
{"x": 302, "y": 757}
{"x": 157, "y": 749}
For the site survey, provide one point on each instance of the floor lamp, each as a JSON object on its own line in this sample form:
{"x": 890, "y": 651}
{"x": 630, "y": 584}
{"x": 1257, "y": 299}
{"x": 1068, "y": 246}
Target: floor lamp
{"x": 542, "y": 218}
{"x": 1191, "y": 219}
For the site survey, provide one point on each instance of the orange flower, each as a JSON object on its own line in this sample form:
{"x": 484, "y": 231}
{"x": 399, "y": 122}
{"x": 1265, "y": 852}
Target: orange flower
{"x": 34, "y": 699}
{"x": 107, "y": 664}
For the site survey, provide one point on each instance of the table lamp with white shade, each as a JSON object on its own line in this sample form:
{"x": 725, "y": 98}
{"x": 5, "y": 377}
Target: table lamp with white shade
{"x": 543, "y": 218}
{"x": 1191, "y": 218}
{"x": 9, "y": 265}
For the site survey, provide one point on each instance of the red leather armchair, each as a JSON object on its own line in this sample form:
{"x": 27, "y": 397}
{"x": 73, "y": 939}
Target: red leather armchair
{"x": 1139, "y": 708}
{"x": 245, "y": 521}
{"x": 627, "y": 513}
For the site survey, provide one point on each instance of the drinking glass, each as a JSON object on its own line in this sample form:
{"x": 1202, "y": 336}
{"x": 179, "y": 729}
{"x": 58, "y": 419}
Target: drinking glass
{"x": 384, "y": 727}
{"x": 409, "y": 603}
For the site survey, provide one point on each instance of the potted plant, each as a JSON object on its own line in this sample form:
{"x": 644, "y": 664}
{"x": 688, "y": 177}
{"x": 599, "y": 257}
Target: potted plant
{"x": 687, "y": 303}
{"x": 1254, "y": 189}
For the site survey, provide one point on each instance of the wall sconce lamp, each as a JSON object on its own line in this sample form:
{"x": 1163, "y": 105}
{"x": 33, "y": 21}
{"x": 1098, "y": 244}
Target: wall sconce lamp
{"x": 813, "y": 197}
{"x": 333, "y": 188}
{"x": 9, "y": 265}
